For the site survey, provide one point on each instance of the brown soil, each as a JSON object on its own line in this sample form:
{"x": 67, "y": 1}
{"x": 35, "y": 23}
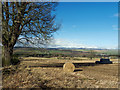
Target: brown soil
{"x": 48, "y": 73}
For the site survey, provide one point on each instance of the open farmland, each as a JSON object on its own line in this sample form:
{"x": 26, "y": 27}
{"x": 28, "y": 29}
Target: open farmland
{"x": 36, "y": 72}
{"x": 59, "y": 45}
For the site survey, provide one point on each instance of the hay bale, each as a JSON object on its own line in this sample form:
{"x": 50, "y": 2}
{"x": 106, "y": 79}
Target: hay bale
{"x": 68, "y": 67}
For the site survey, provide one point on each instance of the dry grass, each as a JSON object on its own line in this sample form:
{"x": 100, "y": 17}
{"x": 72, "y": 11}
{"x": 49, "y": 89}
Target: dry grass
{"x": 47, "y": 73}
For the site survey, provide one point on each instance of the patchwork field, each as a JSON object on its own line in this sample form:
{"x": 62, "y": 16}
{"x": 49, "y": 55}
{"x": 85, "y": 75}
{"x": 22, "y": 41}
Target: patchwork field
{"x": 35, "y": 72}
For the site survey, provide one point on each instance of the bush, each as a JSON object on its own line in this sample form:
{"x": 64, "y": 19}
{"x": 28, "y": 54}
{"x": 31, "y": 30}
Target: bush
{"x": 15, "y": 60}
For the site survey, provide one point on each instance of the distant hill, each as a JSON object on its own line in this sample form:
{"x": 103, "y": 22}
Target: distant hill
{"x": 67, "y": 48}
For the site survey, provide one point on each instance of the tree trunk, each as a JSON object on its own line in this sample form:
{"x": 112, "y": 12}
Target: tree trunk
{"x": 7, "y": 55}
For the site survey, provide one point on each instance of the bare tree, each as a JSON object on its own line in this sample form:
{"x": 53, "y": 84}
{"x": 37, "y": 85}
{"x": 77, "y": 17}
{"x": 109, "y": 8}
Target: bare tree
{"x": 26, "y": 21}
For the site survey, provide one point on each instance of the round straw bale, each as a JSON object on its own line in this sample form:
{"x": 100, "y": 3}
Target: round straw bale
{"x": 68, "y": 67}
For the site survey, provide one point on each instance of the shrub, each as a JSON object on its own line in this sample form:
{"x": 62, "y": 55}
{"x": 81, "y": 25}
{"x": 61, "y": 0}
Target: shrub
{"x": 15, "y": 60}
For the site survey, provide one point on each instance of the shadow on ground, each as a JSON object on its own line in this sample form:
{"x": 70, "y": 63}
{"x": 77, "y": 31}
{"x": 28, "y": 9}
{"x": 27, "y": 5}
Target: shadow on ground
{"x": 77, "y": 70}
{"x": 60, "y": 65}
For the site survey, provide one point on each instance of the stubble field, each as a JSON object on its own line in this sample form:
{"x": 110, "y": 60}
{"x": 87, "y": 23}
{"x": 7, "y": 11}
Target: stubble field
{"x": 48, "y": 73}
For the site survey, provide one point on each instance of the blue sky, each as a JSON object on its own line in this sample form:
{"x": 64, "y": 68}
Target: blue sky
{"x": 87, "y": 24}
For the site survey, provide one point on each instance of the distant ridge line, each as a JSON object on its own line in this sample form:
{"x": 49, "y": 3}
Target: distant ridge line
{"x": 66, "y": 48}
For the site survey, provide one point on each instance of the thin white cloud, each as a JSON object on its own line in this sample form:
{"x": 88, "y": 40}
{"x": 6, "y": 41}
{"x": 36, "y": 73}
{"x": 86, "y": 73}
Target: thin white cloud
{"x": 62, "y": 43}
{"x": 115, "y": 27}
{"x": 74, "y": 26}
{"x": 116, "y": 15}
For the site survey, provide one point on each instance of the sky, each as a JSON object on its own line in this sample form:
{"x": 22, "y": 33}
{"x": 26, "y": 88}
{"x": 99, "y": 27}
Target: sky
{"x": 87, "y": 24}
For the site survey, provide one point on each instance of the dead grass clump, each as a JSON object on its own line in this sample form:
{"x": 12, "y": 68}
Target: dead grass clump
{"x": 68, "y": 67}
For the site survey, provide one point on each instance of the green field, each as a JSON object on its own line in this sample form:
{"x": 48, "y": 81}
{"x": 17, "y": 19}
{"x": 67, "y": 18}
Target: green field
{"x": 41, "y": 52}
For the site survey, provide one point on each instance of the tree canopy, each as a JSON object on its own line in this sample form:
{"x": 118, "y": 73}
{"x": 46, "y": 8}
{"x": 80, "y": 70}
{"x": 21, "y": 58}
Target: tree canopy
{"x": 27, "y": 21}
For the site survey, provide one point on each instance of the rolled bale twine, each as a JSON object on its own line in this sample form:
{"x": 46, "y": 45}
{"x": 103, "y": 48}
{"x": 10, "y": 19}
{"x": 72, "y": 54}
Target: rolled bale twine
{"x": 68, "y": 67}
